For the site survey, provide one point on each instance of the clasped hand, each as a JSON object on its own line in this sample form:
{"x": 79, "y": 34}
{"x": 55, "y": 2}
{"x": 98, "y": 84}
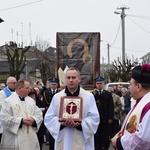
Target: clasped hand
{"x": 28, "y": 121}
{"x": 70, "y": 122}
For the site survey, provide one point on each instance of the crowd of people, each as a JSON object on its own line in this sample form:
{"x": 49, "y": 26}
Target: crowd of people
{"x": 30, "y": 114}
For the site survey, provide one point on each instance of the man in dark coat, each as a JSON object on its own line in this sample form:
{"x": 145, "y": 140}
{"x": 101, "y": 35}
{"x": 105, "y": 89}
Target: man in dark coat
{"x": 118, "y": 91}
{"x": 105, "y": 107}
{"x": 47, "y": 96}
{"x": 35, "y": 95}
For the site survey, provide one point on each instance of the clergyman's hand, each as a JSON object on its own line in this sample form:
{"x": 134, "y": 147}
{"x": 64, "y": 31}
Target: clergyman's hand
{"x": 28, "y": 121}
{"x": 70, "y": 122}
{"x": 114, "y": 139}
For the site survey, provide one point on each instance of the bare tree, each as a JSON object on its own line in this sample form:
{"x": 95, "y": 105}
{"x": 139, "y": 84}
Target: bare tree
{"x": 121, "y": 72}
{"x": 42, "y": 57}
{"x": 46, "y": 56}
{"x": 47, "y": 68}
{"x": 16, "y": 59}
{"x": 40, "y": 44}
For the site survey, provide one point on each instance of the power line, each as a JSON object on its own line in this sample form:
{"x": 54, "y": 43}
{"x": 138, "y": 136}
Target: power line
{"x": 139, "y": 25}
{"x": 141, "y": 17}
{"x": 131, "y": 50}
{"x": 131, "y": 3}
{"x": 116, "y": 34}
{"x": 20, "y": 5}
{"x": 120, "y": 3}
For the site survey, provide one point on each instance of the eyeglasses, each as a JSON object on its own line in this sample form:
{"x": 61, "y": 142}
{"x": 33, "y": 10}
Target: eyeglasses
{"x": 12, "y": 82}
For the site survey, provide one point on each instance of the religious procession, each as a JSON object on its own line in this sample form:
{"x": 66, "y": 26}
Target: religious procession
{"x": 67, "y": 117}
{"x": 77, "y": 108}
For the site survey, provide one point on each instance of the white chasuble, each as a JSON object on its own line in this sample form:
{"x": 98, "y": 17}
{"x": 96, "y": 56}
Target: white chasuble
{"x": 14, "y": 137}
{"x": 70, "y": 138}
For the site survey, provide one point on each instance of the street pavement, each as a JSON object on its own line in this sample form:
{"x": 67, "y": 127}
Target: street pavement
{"x": 46, "y": 147}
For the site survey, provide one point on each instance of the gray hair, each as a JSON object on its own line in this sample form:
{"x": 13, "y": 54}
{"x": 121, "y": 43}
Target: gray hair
{"x": 10, "y": 79}
{"x": 124, "y": 90}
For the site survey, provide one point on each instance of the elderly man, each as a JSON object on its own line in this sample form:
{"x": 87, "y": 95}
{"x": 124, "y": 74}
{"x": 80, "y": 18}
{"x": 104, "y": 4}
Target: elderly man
{"x": 6, "y": 92}
{"x": 21, "y": 120}
{"x": 70, "y": 134}
{"x": 135, "y": 132}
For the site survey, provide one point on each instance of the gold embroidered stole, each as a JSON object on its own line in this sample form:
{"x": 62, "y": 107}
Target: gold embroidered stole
{"x": 23, "y": 109}
{"x": 77, "y": 139}
{"x": 133, "y": 118}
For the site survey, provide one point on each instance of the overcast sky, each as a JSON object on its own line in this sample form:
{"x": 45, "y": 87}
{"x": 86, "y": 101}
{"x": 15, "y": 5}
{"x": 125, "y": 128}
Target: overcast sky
{"x": 47, "y": 17}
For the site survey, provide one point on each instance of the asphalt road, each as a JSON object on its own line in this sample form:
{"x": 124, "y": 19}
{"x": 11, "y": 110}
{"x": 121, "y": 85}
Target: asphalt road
{"x": 46, "y": 147}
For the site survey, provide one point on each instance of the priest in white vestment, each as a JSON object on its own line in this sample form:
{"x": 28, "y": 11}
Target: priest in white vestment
{"x": 0, "y": 117}
{"x": 71, "y": 135}
{"x": 21, "y": 119}
{"x": 6, "y": 92}
{"x": 135, "y": 132}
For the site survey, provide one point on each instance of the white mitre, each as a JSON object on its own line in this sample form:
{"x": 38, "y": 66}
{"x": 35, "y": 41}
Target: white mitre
{"x": 62, "y": 76}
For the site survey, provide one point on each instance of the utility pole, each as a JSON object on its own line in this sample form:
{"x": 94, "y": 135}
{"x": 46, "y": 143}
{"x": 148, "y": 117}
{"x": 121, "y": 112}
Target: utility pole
{"x": 30, "y": 34}
{"x": 123, "y": 15}
{"x": 21, "y": 33}
{"x": 108, "y": 46}
{"x": 26, "y": 71}
{"x": 12, "y": 34}
{"x": 103, "y": 67}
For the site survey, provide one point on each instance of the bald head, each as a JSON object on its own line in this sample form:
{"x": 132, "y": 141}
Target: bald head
{"x": 11, "y": 81}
